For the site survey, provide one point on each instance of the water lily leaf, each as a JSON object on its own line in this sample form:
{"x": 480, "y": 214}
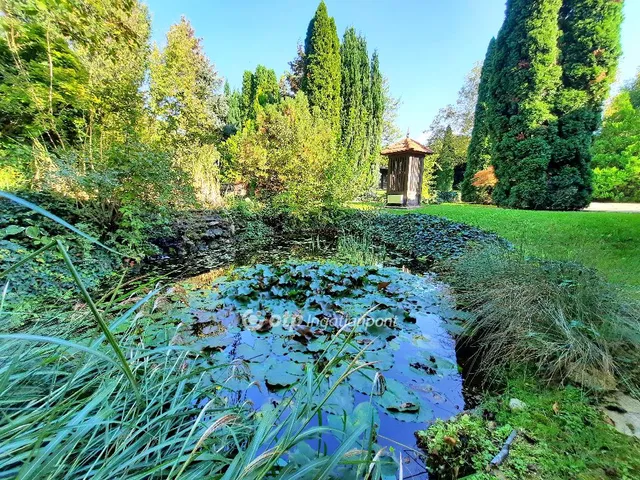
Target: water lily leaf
{"x": 32, "y": 231}
{"x": 283, "y": 374}
{"x": 383, "y": 358}
{"x": 403, "y": 404}
{"x": 258, "y": 352}
{"x": 364, "y": 414}
{"x": 341, "y": 400}
{"x": 218, "y": 343}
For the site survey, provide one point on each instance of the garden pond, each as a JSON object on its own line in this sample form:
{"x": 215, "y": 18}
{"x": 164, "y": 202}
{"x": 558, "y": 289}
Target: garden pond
{"x": 262, "y": 328}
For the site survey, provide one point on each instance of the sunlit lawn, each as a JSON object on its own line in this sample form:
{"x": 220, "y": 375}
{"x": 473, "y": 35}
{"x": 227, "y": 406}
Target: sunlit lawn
{"x": 607, "y": 241}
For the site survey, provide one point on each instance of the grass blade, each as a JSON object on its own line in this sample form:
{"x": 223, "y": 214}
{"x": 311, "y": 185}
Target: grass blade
{"x": 55, "y": 218}
{"x": 105, "y": 328}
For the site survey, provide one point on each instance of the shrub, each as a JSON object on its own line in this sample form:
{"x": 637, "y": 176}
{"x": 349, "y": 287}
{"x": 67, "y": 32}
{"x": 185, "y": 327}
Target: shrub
{"x": 460, "y": 446}
{"x": 448, "y": 197}
{"x": 561, "y": 317}
{"x": 484, "y": 182}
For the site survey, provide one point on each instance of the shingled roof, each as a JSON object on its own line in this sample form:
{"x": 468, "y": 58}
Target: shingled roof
{"x": 406, "y": 145}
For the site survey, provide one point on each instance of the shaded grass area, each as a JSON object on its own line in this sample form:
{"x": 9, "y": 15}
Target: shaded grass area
{"x": 607, "y": 241}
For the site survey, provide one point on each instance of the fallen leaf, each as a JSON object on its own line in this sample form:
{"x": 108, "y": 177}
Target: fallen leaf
{"x": 450, "y": 440}
{"x": 556, "y": 408}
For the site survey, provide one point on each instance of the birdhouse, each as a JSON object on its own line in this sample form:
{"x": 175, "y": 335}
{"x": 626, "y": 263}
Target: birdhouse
{"x": 406, "y": 165}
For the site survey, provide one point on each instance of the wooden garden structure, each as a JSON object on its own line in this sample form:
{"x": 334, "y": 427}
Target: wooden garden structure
{"x": 406, "y": 165}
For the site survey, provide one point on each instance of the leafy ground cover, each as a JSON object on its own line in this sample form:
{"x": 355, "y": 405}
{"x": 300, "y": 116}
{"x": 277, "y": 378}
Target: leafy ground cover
{"x": 270, "y": 324}
{"x": 603, "y": 240}
{"x": 561, "y": 434}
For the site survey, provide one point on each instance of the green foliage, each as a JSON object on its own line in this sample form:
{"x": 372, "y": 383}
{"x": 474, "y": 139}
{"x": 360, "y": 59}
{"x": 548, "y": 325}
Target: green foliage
{"x": 479, "y": 152}
{"x": 445, "y": 163}
{"x": 322, "y": 76}
{"x": 290, "y": 157}
{"x": 362, "y": 100}
{"x": 411, "y": 237}
{"x": 187, "y": 110}
{"x": 359, "y": 251}
{"x": 234, "y": 112}
{"x": 616, "y": 151}
{"x": 379, "y": 103}
{"x": 554, "y": 63}
{"x": 562, "y": 434}
{"x": 602, "y": 240}
{"x": 259, "y": 89}
{"x": 526, "y": 79}
{"x": 460, "y": 446}
{"x": 356, "y": 106}
{"x": 590, "y": 49}
{"x": 45, "y": 282}
{"x": 560, "y": 317}
{"x": 71, "y": 78}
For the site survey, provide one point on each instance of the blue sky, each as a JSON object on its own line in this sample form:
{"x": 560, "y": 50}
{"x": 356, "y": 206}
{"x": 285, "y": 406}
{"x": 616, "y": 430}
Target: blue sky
{"x": 426, "y": 46}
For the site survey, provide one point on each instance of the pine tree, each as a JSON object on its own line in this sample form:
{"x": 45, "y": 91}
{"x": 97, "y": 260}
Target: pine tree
{"x": 377, "y": 108}
{"x": 259, "y": 89}
{"x": 590, "y": 48}
{"x": 234, "y": 113}
{"x": 524, "y": 86}
{"x": 321, "y": 80}
{"x": 446, "y": 162}
{"x": 479, "y": 152}
{"x": 355, "y": 93}
{"x": 247, "y": 95}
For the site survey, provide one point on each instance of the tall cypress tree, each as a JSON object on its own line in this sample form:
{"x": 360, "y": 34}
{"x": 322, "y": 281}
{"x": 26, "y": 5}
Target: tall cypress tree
{"x": 247, "y": 95}
{"x": 590, "y": 49}
{"x": 446, "y": 162}
{"x": 377, "y": 107}
{"x": 355, "y": 95}
{"x": 479, "y": 151}
{"x": 524, "y": 86}
{"x": 321, "y": 81}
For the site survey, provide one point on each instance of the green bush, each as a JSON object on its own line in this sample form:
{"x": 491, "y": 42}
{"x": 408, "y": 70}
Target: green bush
{"x": 616, "y": 184}
{"x": 460, "y": 446}
{"x": 560, "y": 317}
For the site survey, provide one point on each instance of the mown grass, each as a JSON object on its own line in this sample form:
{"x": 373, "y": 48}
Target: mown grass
{"x": 607, "y": 241}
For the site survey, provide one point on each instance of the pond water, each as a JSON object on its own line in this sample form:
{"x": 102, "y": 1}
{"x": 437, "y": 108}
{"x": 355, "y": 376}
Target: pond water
{"x": 263, "y": 327}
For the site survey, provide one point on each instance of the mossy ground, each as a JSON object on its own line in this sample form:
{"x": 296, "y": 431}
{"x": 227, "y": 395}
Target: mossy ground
{"x": 562, "y": 435}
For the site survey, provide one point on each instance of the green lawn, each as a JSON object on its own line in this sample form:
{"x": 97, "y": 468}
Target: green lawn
{"x": 609, "y": 242}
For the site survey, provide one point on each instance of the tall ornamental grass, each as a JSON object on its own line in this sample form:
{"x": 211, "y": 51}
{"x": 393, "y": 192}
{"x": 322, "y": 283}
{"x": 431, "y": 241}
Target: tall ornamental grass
{"x": 561, "y": 317}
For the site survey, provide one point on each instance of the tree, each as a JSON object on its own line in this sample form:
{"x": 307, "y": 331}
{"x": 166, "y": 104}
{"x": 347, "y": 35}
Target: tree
{"x": 321, "y": 81}
{"x": 377, "y": 107}
{"x": 293, "y": 78}
{"x": 446, "y": 163}
{"x": 390, "y": 131}
{"x": 479, "y": 151}
{"x": 590, "y": 48}
{"x": 356, "y": 101}
{"x": 290, "y": 158}
{"x": 72, "y": 75}
{"x": 188, "y": 112}
{"x": 616, "y": 150}
{"x": 259, "y": 89}
{"x": 523, "y": 120}
{"x": 234, "y": 112}
{"x": 554, "y": 63}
